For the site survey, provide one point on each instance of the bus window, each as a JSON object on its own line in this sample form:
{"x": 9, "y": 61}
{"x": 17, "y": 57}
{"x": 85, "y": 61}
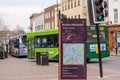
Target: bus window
{"x": 38, "y": 42}
{"x": 54, "y": 41}
{"x": 48, "y": 41}
{"x": 44, "y": 41}
{"x": 16, "y": 42}
{"x": 92, "y": 36}
{"x": 102, "y": 35}
{"x": 24, "y": 39}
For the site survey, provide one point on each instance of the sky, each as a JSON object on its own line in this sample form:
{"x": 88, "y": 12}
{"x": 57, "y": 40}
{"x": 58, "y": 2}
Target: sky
{"x": 17, "y": 12}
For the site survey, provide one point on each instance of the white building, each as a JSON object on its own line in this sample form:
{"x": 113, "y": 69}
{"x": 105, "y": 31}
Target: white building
{"x": 114, "y": 11}
{"x": 37, "y": 21}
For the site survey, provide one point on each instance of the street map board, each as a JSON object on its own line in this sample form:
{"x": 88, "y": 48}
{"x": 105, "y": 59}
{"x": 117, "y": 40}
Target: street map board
{"x": 72, "y": 49}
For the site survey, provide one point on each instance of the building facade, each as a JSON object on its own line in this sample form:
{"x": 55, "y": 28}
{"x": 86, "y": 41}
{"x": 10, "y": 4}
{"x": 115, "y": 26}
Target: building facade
{"x": 74, "y": 9}
{"x": 50, "y": 17}
{"x": 114, "y": 23}
{"x": 114, "y": 11}
{"x": 37, "y": 21}
{"x": 56, "y": 18}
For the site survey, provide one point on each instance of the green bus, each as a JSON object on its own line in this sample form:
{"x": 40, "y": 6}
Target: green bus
{"x": 91, "y": 42}
{"x": 43, "y": 41}
{"x": 47, "y": 41}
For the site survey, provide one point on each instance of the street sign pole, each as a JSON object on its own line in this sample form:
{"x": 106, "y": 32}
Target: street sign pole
{"x": 98, "y": 42}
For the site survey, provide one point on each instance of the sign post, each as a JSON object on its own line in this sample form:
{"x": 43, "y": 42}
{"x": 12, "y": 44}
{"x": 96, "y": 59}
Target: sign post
{"x": 72, "y": 49}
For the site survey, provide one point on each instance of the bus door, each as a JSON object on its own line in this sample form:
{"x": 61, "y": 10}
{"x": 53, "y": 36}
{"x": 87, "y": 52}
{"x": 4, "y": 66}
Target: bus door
{"x": 16, "y": 47}
{"x": 31, "y": 54}
{"x": 22, "y": 42}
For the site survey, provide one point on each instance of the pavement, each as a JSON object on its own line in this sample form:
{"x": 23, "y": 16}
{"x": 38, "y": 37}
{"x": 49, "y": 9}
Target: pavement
{"x": 92, "y": 73}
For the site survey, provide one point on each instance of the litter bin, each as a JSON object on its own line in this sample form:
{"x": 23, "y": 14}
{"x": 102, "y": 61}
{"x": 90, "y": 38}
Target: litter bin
{"x": 44, "y": 58}
{"x": 38, "y": 62}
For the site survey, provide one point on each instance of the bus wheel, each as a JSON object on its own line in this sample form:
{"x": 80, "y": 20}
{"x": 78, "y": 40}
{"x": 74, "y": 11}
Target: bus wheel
{"x": 88, "y": 60}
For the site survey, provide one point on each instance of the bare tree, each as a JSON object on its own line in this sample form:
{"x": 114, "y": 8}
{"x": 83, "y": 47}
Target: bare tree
{"x": 19, "y": 30}
{"x": 1, "y": 21}
{"x": 2, "y": 24}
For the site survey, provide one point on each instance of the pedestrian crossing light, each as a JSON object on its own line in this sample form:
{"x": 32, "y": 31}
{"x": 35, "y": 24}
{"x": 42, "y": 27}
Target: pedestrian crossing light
{"x": 99, "y": 10}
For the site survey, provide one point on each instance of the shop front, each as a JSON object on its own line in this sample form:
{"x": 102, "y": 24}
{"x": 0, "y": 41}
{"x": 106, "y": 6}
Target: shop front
{"x": 114, "y": 36}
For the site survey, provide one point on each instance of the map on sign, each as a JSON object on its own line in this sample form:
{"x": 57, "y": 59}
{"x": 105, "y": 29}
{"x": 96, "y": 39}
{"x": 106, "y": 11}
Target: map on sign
{"x": 73, "y": 54}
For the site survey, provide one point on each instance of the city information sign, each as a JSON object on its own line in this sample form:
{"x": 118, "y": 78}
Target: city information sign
{"x": 72, "y": 49}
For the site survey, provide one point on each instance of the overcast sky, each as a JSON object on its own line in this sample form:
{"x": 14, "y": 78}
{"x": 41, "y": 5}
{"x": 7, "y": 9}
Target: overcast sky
{"x": 17, "y": 12}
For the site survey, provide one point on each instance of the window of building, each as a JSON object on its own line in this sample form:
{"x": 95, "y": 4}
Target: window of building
{"x": 62, "y": 6}
{"x": 45, "y": 16}
{"x": 52, "y": 13}
{"x": 52, "y": 25}
{"x": 65, "y": 5}
{"x": 49, "y": 15}
{"x": 71, "y": 3}
{"x": 68, "y": 4}
{"x": 49, "y": 25}
{"x": 78, "y": 2}
{"x": 74, "y": 3}
{"x": 115, "y": 15}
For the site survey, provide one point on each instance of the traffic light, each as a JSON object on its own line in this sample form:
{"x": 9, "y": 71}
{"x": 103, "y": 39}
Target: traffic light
{"x": 99, "y": 11}
{"x": 98, "y": 6}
